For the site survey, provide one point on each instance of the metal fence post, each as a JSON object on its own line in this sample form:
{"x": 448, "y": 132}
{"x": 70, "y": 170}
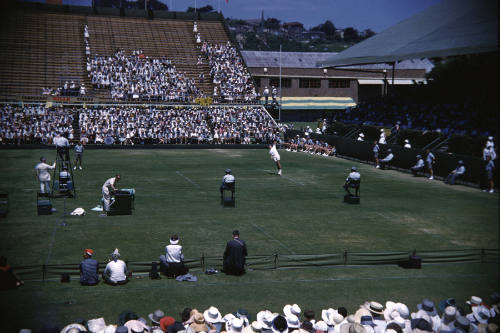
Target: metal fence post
{"x": 345, "y": 257}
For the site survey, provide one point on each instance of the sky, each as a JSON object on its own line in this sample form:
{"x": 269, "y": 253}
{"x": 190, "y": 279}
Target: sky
{"x": 377, "y": 15}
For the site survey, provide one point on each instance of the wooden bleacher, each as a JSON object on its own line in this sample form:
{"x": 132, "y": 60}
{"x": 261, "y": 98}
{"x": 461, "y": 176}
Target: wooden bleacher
{"x": 41, "y": 49}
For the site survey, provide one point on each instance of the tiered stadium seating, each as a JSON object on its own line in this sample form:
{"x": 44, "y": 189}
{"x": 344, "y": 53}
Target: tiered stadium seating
{"x": 40, "y": 50}
{"x": 45, "y": 49}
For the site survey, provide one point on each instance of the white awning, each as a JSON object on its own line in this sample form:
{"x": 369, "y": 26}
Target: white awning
{"x": 371, "y": 81}
{"x": 389, "y": 81}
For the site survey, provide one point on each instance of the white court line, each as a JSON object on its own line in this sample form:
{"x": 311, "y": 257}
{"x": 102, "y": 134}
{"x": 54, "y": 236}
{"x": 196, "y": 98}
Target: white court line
{"x": 51, "y": 245}
{"x": 385, "y": 217}
{"x": 274, "y": 239}
{"x": 296, "y": 182}
{"x": 187, "y": 178}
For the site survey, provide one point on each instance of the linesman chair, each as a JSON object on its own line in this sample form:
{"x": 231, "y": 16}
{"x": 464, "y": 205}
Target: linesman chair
{"x": 228, "y": 195}
{"x": 349, "y": 197}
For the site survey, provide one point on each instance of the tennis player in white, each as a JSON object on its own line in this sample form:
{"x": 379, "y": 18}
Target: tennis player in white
{"x": 275, "y": 156}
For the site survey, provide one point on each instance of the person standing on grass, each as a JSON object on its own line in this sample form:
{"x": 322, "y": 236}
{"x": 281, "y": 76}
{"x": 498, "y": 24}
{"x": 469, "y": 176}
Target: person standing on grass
{"x": 376, "y": 150}
{"x": 490, "y": 168}
{"x": 235, "y": 255}
{"x": 78, "y": 155}
{"x": 43, "y": 174}
{"x": 275, "y": 156}
{"x": 106, "y": 194}
{"x": 430, "y": 159}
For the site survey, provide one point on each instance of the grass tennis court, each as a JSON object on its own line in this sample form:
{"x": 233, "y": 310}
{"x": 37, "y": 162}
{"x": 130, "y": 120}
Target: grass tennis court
{"x": 300, "y": 213}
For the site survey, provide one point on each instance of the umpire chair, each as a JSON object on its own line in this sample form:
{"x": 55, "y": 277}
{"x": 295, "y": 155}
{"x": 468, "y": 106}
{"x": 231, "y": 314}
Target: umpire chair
{"x": 349, "y": 197}
{"x": 228, "y": 198}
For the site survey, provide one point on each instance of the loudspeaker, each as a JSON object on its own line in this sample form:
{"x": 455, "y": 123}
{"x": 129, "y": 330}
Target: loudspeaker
{"x": 44, "y": 207}
{"x": 351, "y": 199}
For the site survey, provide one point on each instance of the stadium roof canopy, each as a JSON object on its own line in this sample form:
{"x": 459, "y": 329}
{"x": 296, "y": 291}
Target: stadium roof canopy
{"x": 316, "y": 59}
{"x": 288, "y": 59}
{"x": 449, "y": 28}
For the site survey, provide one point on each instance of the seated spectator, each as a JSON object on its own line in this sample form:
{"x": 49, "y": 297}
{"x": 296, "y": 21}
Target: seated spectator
{"x": 115, "y": 272}
{"x": 8, "y": 278}
{"x": 82, "y": 89}
{"x": 172, "y": 263}
{"x": 456, "y": 173}
{"x": 352, "y": 181}
{"x": 89, "y": 269}
{"x": 387, "y": 159}
{"x": 419, "y": 166}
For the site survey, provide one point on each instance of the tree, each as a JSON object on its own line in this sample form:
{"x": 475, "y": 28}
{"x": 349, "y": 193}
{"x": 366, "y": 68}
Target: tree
{"x": 205, "y": 9}
{"x": 329, "y": 29}
{"x": 350, "y": 34}
{"x": 272, "y": 23}
{"x": 369, "y": 33}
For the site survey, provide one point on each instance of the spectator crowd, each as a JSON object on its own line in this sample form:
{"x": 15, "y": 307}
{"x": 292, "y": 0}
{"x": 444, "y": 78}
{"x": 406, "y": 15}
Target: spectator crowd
{"x": 229, "y": 75}
{"x": 447, "y": 316}
{"x": 36, "y": 124}
{"x": 138, "y": 124}
{"x": 458, "y": 119}
{"x": 138, "y": 77}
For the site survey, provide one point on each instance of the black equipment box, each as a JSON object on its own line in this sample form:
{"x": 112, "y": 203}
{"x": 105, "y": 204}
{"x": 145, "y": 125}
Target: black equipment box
{"x": 122, "y": 204}
{"x": 44, "y": 207}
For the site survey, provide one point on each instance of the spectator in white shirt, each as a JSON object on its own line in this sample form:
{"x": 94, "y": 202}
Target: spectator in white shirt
{"x": 116, "y": 270}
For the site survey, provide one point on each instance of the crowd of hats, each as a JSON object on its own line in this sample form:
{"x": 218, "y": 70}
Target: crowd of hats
{"x": 229, "y": 75}
{"x": 138, "y": 124}
{"x": 458, "y": 119}
{"x": 476, "y": 316}
{"x": 33, "y": 123}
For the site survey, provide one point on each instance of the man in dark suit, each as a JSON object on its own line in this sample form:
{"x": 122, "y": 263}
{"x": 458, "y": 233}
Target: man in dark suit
{"x": 235, "y": 255}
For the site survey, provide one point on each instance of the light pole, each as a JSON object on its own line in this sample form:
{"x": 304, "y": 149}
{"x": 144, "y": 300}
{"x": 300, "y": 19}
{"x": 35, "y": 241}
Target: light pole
{"x": 279, "y": 107}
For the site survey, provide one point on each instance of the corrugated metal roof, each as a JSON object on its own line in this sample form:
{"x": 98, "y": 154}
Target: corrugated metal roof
{"x": 288, "y": 59}
{"x": 270, "y": 59}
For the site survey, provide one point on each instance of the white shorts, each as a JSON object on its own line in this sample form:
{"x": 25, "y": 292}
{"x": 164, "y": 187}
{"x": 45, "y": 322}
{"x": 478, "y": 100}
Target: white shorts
{"x": 276, "y": 158}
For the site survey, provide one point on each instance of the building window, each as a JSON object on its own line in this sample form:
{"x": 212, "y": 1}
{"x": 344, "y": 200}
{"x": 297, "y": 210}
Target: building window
{"x": 285, "y": 83}
{"x": 257, "y": 82}
{"x": 309, "y": 83}
{"x": 337, "y": 83}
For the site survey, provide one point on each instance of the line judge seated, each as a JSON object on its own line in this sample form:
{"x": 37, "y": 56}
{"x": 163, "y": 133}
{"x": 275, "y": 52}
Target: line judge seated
{"x": 352, "y": 181}
{"x": 384, "y": 163}
{"x": 227, "y": 182}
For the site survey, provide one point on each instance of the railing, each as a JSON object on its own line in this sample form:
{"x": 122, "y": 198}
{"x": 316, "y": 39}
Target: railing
{"x": 284, "y": 261}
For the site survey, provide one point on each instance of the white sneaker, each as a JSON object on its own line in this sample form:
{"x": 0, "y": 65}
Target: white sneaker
{"x": 492, "y": 191}
{"x": 74, "y": 168}
{"x": 287, "y": 149}
{"x": 431, "y": 177}
{"x": 81, "y": 168}
{"x": 485, "y": 190}
{"x": 377, "y": 167}
{"x": 279, "y": 172}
